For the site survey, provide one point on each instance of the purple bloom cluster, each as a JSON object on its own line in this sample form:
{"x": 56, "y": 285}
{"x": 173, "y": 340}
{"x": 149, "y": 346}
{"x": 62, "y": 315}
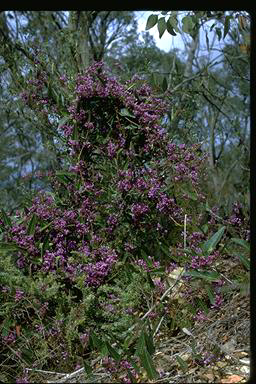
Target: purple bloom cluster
{"x": 19, "y": 295}
{"x": 10, "y": 338}
{"x": 199, "y": 261}
{"x": 96, "y": 272}
{"x": 138, "y": 210}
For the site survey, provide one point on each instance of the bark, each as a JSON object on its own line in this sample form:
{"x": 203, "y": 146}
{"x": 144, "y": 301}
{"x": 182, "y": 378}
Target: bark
{"x": 79, "y": 24}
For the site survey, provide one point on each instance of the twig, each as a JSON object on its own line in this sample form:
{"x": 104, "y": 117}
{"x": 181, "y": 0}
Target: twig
{"x": 158, "y": 326}
{"x": 67, "y": 376}
{"x": 48, "y": 372}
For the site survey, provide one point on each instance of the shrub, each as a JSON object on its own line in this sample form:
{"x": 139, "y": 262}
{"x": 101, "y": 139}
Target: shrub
{"x": 85, "y": 258}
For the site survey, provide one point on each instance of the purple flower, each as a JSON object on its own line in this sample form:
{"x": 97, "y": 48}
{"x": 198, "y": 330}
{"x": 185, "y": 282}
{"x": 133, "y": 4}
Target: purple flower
{"x": 218, "y": 301}
{"x": 19, "y": 295}
{"x": 10, "y": 338}
{"x": 111, "y": 148}
{"x": 84, "y": 338}
{"x": 200, "y": 316}
{"x": 138, "y": 210}
{"x": 22, "y": 380}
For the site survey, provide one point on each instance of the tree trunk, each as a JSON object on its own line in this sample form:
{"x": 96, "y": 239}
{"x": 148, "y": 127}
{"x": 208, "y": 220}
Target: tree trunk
{"x": 79, "y": 23}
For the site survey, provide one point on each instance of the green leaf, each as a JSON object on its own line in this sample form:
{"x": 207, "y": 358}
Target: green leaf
{"x": 173, "y": 22}
{"x": 187, "y": 24}
{"x": 75, "y": 134}
{"x": 65, "y": 177}
{"x": 147, "y": 363}
{"x": 183, "y": 364}
{"x": 32, "y": 224}
{"x": 27, "y": 355}
{"x": 164, "y": 84}
{"x": 113, "y": 352}
{"x": 149, "y": 342}
{"x": 244, "y": 260}
{"x": 63, "y": 120}
{"x": 210, "y": 294}
{"x": 125, "y": 112}
{"x": 151, "y": 22}
{"x": 161, "y": 25}
{"x": 6, "y": 326}
{"x": 211, "y": 276}
{"x": 9, "y": 247}
{"x": 150, "y": 281}
{"x": 218, "y": 31}
{"x": 104, "y": 349}
{"x": 46, "y": 226}
{"x": 65, "y": 173}
{"x": 97, "y": 343}
{"x": 141, "y": 344}
{"x": 6, "y": 219}
{"x": 226, "y": 26}
{"x": 87, "y": 368}
{"x": 170, "y": 28}
{"x": 241, "y": 242}
{"x": 211, "y": 243}
{"x": 146, "y": 258}
{"x": 212, "y": 26}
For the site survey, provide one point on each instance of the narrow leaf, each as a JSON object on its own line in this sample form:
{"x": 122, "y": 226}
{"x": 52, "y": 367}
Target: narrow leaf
{"x": 161, "y": 25}
{"x": 113, "y": 353}
{"x": 147, "y": 363}
{"x": 182, "y": 363}
{"x": 244, "y": 260}
{"x": 87, "y": 368}
{"x": 218, "y": 31}
{"x": 6, "y": 219}
{"x": 141, "y": 344}
{"x": 9, "y": 247}
{"x": 6, "y": 325}
{"x": 32, "y": 224}
{"x": 97, "y": 343}
{"x": 241, "y": 242}
{"x": 211, "y": 243}
{"x": 226, "y": 26}
{"x": 210, "y": 276}
{"x": 210, "y": 294}
{"x": 149, "y": 342}
{"x": 164, "y": 84}
{"x": 104, "y": 349}
{"x": 151, "y": 22}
